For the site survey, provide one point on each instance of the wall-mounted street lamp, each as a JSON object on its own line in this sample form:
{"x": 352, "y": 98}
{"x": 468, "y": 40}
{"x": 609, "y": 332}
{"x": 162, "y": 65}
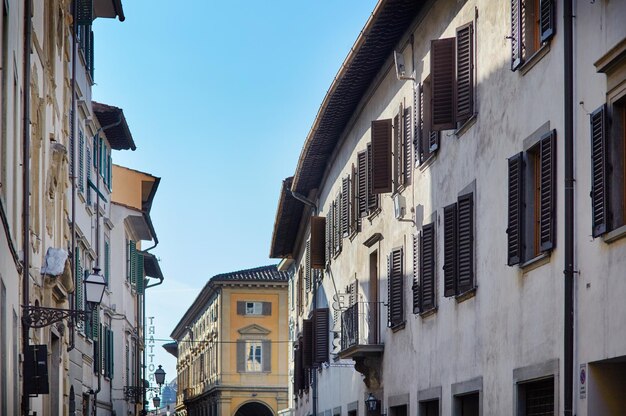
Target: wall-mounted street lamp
{"x": 136, "y": 393}
{"x": 40, "y": 317}
{"x": 156, "y": 401}
{"x": 159, "y": 376}
{"x": 372, "y": 405}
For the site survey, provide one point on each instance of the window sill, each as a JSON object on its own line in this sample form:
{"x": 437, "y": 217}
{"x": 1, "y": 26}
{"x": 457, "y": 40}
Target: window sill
{"x": 466, "y": 295}
{"x": 430, "y": 312}
{"x": 535, "y": 262}
{"x": 425, "y": 164}
{"x": 398, "y": 327}
{"x": 81, "y": 196}
{"x": 374, "y": 214}
{"x": 615, "y": 235}
{"x": 466, "y": 126}
{"x": 535, "y": 58}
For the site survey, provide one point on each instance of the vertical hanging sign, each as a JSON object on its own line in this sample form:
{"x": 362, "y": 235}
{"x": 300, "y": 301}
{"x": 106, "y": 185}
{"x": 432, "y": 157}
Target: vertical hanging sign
{"x": 150, "y": 349}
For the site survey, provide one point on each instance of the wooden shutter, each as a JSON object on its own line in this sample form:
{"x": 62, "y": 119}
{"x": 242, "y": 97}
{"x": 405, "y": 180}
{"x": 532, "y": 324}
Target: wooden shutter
{"x": 362, "y": 175}
{"x": 546, "y": 19}
{"x": 372, "y": 198}
{"x": 515, "y": 209}
{"x": 81, "y": 163}
{"x": 318, "y": 226}
{"x": 307, "y": 343}
{"x": 300, "y": 294}
{"x": 353, "y": 293}
{"x": 133, "y": 262}
{"x": 516, "y": 34}
{"x": 321, "y": 331}
{"x": 398, "y": 152}
{"x": 241, "y": 307}
{"x": 111, "y": 353}
{"x": 107, "y": 262}
{"x": 345, "y": 206}
{"x": 415, "y": 287}
{"x": 241, "y": 356}
{"x": 450, "y": 250}
{"x": 464, "y": 72}
{"x": 337, "y": 222}
{"x": 298, "y": 383}
{"x": 381, "y": 156}
{"x": 140, "y": 273}
{"x": 327, "y": 235}
{"x": 547, "y": 191}
{"x": 408, "y": 145}
{"x": 465, "y": 243}
{"x": 355, "y": 217}
{"x": 442, "y": 67}
{"x": 266, "y": 358}
{"x": 396, "y": 288}
{"x": 599, "y": 172}
{"x": 428, "y": 138}
{"x": 266, "y": 308}
{"x": 427, "y": 267}
{"x": 84, "y": 12}
{"x": 307, "y": 266}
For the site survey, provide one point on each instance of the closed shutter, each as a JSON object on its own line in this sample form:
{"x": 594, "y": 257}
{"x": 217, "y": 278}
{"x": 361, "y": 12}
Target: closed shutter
{"x": 442, "y": 68}
{"x": 599, "y": 172}
{"x": 415, "y": 287}
{"x": 464, "y": 72}
{"x": 318, "y": 225}
{"x": 450, "y": 250}
{"x": 427, "y": 267}
{"x": 298, "y": 372}
{"x": 140, "y": 273}
{"x": 345, "y": 206}
{"x": 307, "y": 343}
{"x": 337, "y": 222}
{"x": 372, "y": 198}
{"x": 546, "y": 19}
{"x": 84, "y": 12}
{"x": 381, "y": 156}
{"x": 547, "y": 191}
{"x": 408, "y": 145}
{"x": 515, "y": 207}
{"x": 398, "y": 147}
{"x": 321, "y": 331}
{"x": 241, "y": 307}
{"x": 307, "y": 266}
{"x": 362, "y": 183}
{"x": 266, "y": 358}
{"x": 396, "y": 288}
{"x": 516, "y": 34}
{"x": 266, "y": 308}
{"x": 241, "y": 356}
{"x": 95, "y": 323}
{"x": 466, "y": 243}
{"x": 81, "y": 163}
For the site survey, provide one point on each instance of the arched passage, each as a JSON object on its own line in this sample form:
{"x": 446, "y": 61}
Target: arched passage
{"x": 254, "y": 409}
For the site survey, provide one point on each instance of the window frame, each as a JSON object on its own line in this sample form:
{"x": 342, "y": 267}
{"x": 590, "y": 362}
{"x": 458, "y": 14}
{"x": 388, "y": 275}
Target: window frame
{"x": 542, "y": 29}
{"x": 258, "y": 351}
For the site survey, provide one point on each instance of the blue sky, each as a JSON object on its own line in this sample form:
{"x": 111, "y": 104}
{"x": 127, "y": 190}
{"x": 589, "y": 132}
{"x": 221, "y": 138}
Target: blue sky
{"x": 219, "y": 97}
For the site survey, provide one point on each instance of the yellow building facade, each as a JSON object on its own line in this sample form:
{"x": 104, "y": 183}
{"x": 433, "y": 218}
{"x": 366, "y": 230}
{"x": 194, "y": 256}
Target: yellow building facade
{"x": 232, "y": 346}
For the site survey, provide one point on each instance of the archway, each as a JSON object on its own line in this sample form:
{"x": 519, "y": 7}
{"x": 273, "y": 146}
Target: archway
{"x": 254, "y": 409}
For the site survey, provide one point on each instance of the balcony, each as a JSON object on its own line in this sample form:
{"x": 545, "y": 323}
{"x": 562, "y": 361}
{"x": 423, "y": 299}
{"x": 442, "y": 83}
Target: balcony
{"x": 359, "y": 331}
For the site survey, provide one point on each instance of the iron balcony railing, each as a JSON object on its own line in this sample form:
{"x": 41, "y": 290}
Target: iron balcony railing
{"x": 359, "y": 325}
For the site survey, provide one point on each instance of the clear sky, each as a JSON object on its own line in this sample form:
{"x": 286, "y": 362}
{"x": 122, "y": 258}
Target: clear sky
{"x": 219, "y": 97}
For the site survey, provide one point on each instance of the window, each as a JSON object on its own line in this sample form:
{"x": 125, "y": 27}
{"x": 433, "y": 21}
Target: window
{"x": 467, "y": 404}
{"x": 424, "y": 276}
{"x": 367, "y": 199}
{"x": 253, "y": 356}
{"x": 401, "y": 148}
{"x": 458, "y": 242}
{"x": 536, "y": 397}
{"x": 427, "y": 141}
{"x": 452, "y": 72}
{"x": 395, "y": 286}
{"x": 532, "y": 25}
{"x": 532, "y": 200}
{"x": 429, "y": 408}
{"x": 254, "y": 308}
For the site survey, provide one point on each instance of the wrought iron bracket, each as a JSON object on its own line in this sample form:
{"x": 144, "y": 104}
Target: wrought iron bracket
{"x": 135, "y": 393}
{"x": 40, "y": 317}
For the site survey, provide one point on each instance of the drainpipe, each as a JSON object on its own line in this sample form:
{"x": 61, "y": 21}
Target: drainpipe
{"x": 303, "y": 199}
{"x": 26, "y": 194}
{"x": 568, "y": 318}
{"x": 73, "y": 178}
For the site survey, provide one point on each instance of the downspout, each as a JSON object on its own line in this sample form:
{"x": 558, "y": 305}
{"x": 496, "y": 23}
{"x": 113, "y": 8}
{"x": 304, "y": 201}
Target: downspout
{"x": 26, "y": 195}
{"x": 73, "y": 178}
{"x": 303, "y": 199}
{"x": 568, "y": 303}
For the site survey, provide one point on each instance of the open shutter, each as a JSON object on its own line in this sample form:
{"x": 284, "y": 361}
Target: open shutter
{"x": 345, "y": 206}
{"x": 133, "y": 262}
{"x": 416, "y": 288}
{"x": 372, "y": 198}
{"x": 318, "y": 225}
{"x": 266, "y": 359}
{"x": 307, "y": 266}
{"x": 546, "y": 19}
{"x": 516, "y": 200}
{"x": 241, "y": 356}
{"x": 241, "y": 307}
{"x": 466, "y": 243}
{"x": 321, "y": 331}
{"x": 407, "y": 145}
{"x": 442, "y": 68}
{"x": 84, "y": 12}
{"x": 450, "y": 250}
{"x": 396, "y": 288}
{"x": 355, "y": 217}
{"x": 327, "y": 233}
{"x": 516, "y": 34}
{"x": 464, "y": 72}
{"x": 599, "y": 172}
{"x": 266, "y": 308}
{"x": 427, "y": 267}
{"x": 381, "y": 156}
{"x": 307, "y": 343}
{"x": 337, "y": 221}
{"x": 140, "y": 273}
{"x": 81, "y": 163}
{"x": 78, "y": 277}
{"x": 362, "y": 183}
{"x": 298, "y": 383}
{"x": 547, "y": 194}
{"x": 398, "y": 151}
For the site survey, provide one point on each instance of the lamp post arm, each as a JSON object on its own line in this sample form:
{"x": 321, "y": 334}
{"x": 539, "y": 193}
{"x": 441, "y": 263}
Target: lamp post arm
{"x": 40, "y": 317}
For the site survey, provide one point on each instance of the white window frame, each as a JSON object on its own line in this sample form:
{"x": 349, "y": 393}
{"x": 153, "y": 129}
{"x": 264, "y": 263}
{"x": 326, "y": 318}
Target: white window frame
{"x": 254, "y": 356}
{"x": 254, "y": 308}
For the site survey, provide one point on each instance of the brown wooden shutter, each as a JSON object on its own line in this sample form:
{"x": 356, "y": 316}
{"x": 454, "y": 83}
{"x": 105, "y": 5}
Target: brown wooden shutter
{"x": 599, "y": 172}
{"x": 381, "y": 156}
{"x": 362, "y": 183}
{"x": 442, "y": 68}
{"x": 546, "y": 19}
{"x": 321, "y": 329}
{"x": 415, "y": 287}
{"x": 450, "y": 250}
{"x": 241, "y": 356}
{"x": 417, "y": 122}
{"x": 300, "y": 298}
{"x": 396, "y": 288}
{"x": 372, "y": 198}
{"x": 266, "y": 358}
{"x": 408, "y": 145}
{"x": 353, "y": 292}
{"x": 327, "y": 236}
{"x": 298, "y": 371}
{"x": 266, "y": 308}
{"x": 516, "y": 34}
{"x": 337, "y": 221}
{"x": 397, "y": 152}
{"x": 547, "y": 191}
{"x": 331, "y": 228}
{"x": 307, "y": 343}
{"x": 427, "y": 268}
{"x": 241, "y": 307}
{"x": 428, "y": 138}
{"x": 464, "y": 72}
{"x": 355, "y": 217}
{"x": 515, "y": 209}
{"x": 345, "y": 206}
{"x": 318, "y": 226}
{"x": 307, "y": 266}
{"x": 466, "y": 243}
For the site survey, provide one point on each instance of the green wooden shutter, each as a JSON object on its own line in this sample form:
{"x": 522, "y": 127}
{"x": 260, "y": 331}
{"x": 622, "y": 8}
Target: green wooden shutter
{"x": 84, "y": 12}
{"x": 139, "y": 279}
{"x": 81, "y": 161}
{"x": 107, "y": 262}
{"x": 133, "y": 262}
